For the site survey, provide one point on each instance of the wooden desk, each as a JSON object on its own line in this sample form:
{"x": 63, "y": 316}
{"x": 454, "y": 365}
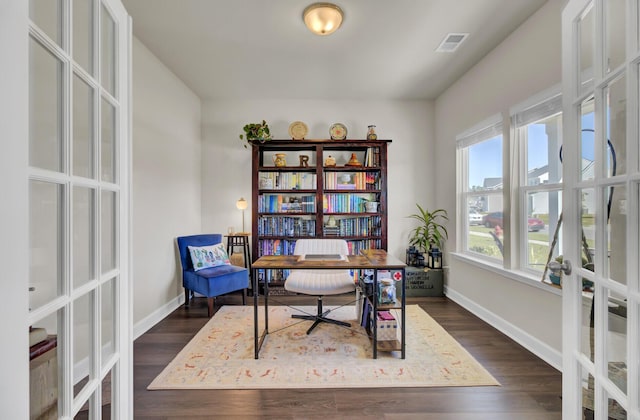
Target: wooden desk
{"x": 372, "y": 259}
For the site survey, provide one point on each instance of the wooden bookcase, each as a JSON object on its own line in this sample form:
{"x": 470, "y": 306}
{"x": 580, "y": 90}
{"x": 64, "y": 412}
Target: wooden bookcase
{"x": 297, "y": 201}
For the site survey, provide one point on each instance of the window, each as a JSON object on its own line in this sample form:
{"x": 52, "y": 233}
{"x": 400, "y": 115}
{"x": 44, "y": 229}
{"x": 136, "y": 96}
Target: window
{"x": 537, "y": 130}
{"x": 512, "y": 218}
{"x": 481, "y": 185}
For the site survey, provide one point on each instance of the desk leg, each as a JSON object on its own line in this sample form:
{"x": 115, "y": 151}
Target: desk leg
{"x": 266, "y": 307}
{"x": 255, "y": 313}
{"x": 374, "y": 324}
{"x": 403, "y": 315}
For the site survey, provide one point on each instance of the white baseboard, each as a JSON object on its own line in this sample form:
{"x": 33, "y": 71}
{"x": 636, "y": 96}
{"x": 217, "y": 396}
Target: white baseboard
{"x": 537, "y": 347}
{"x": 158, "y": 315}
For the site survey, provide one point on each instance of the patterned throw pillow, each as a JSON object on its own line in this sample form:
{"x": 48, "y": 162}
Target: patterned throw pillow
{"x": 208, "y": 256}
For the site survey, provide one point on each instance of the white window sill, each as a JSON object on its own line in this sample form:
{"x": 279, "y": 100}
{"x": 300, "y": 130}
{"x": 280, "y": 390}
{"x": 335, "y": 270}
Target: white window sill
{"x": 519, "y": 276}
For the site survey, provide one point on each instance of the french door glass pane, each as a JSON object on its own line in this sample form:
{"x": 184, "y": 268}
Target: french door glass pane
{"x": 586, "y": 51}
{"x": 83, "y": 235}
{"x": 45, "y": 108}
{"x": 47, "y": 14}
{"x": 45, "y": 366}
{"x": 588, "y": 385}
{"x": 82, "y": 128}
{"x": 82, "y": 332}
{"x": 587, "y": 345}
{"x": 615, "y": 410}
{"x": 543, "y": 211}
{"x": 108, "y": 226}
{"x": 107, "y": 396}
{"x": 616, "y": 122}
{"x": 108, "y": 321}
{"x": 615, "y": 30}
{"x": 617, "y": 233}
{"x": 82, "y": 12}
{"x": 587, "y": 145}
{"x": 616, "y": 340}
{"x": 588, "y": 226}
{"x": 46, "y": 227}
{"x": 107, "y": 141}
{"x": 108, "y": 55}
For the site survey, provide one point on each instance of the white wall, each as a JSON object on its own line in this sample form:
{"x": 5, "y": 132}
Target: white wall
{"x": 525, "y": 63}
{"x": 166, "y": 183}
{"x": 227, "y": 164}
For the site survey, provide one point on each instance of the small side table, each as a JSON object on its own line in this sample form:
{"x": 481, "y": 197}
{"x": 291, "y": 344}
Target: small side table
{"x": 240, "y": 239}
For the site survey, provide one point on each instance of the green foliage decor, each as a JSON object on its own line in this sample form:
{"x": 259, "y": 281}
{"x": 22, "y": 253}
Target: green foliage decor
{"x": 256, "y": 131}
{"x": 431, "y": 232}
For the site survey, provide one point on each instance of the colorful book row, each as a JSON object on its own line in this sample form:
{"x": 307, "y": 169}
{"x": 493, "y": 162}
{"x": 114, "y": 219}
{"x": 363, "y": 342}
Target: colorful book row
{"x": 287, "y": 181}
{"x": 345, "y": 203}
{"x": 277, "y": 203}
{"x": 355, "y": 246}
{"x": 357, "y": 226}
{"x": 286, "y": 226}
{"x": 275, "y": 247}
{"x": 351, "y": 181}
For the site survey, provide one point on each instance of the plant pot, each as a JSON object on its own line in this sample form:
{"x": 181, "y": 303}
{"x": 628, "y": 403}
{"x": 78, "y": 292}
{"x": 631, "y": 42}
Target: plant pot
{"x": 557, "y": 280}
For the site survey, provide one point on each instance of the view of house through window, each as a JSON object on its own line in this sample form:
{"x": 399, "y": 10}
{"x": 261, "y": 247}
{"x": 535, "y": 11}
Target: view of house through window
{"x": 538, "y": 138}
{"x": 535, "y": 166}
{"x": 480, "y": 158}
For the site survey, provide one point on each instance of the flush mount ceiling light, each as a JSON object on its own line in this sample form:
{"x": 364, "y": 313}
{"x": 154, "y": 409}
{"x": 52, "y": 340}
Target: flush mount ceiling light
{"x": 322, "y": 18}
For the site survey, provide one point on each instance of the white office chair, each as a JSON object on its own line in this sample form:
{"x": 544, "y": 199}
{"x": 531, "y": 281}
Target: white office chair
{"x": 320, "y": 282}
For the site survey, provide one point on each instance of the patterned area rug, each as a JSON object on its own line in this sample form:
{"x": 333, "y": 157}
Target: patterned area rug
{"x": 221, "y": 355}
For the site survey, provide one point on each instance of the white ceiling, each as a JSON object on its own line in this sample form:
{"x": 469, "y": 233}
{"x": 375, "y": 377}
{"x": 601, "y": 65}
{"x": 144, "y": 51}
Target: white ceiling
{"x": 260, "y": 49}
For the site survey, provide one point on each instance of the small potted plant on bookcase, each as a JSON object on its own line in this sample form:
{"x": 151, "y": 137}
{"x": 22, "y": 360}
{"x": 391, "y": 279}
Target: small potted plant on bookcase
{"x": 431, "y": 233}
{"x": 256, "y": 131}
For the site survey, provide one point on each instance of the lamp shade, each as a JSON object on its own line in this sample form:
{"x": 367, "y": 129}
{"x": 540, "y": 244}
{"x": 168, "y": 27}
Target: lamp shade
{"x": 241, "y": 204}
{"x": 322, "y": 18}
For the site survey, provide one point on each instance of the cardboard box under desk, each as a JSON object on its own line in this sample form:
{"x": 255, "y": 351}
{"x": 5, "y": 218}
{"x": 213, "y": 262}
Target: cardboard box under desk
{"x": 422, "y": 282}
{"x": 387, "y": 329}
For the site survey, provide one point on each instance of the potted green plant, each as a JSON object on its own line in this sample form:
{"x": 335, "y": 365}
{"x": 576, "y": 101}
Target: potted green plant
{"x": 431, "y": 233}
{"x": 256, "y": 131}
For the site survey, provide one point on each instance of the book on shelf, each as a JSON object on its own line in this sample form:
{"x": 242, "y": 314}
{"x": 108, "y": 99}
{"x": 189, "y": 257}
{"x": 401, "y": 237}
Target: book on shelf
{"x": 276, "y": 203}
{"x": 359, "y": 181}
{"x": 287, "y": 181}
{"x": 286, "y": 226}
{"x": 331, "y": 231}
{"x": 346, "y": 202}
{"x": 372, "y": 157}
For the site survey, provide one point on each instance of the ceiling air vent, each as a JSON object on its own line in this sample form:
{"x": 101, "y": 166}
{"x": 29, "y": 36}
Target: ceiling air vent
{"x": 451, "y": 42}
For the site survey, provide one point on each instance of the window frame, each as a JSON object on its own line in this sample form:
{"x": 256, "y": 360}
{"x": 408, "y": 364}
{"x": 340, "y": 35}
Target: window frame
{"x": 515, "y": 191}
{"x": 484, "y": 131}
{"x": 539, "y": 107}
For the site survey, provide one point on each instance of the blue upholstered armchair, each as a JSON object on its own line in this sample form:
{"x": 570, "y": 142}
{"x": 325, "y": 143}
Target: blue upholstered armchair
{"x": 212, "y": 281}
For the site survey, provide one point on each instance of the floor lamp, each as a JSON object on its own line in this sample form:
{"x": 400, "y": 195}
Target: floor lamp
{"x": 242, "y": 205}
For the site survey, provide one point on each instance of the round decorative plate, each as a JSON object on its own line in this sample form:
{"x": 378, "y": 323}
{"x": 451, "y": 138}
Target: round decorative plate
{"x": 338, "y": 131}
{"x": 298, "y": 130}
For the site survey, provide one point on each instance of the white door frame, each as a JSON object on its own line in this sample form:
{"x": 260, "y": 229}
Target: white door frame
{"x": 575, "y": 363}
{"x": 14, "y": 217}
{"x": 14, "y": 84}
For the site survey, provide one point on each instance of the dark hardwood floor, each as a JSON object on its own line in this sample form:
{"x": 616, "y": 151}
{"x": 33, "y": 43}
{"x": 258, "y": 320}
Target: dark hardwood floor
{"x": 531, "y": 389}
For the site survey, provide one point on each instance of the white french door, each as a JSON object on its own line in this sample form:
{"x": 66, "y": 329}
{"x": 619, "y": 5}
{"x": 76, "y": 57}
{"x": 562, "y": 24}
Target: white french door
{"x": 601, "y": 299}
{"x": 70, "y": 174}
